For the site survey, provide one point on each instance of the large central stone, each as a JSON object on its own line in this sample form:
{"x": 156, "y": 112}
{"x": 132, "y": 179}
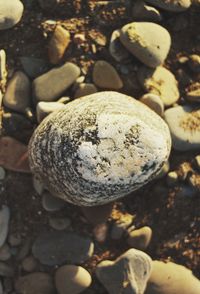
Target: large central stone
{"x": 99, "y": 148}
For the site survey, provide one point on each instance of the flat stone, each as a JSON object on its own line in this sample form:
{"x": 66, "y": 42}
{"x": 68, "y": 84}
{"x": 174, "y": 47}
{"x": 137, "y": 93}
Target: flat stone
{"x": 2, "y": 173}
{"x": 183, "y": 122}
{"x": 55, "y": 248}
{"x": 172, "y": 178}
{"x": 72, "y": 279}
{"x": 45, "y": 108}
{"x": 52, "y": 203}
{"x": 143, "y": 12}
{"x": 59, "y": 223}
{"x": 88, "y": 131}
{"x": 116, "y": 49}
{"x": 147, "y": 41}
{"x": 4, "y": 223}
{"x": 161, "y": 82}
{"x": 105, "y": 76}
{"x": 171, "y": 5}
{"x": 11, "y": 13}
{"x": 33, "y": 283}
{"x": 128, "y": 274}
{"x": 18, "y": 93}
{"x": 140, "y": 238}
{"x": 154, "y": 102}
{"x": 5, "y": 252}
{"x": 85, "y": 89}
{"x": 58, "y": 44}
{"x": 6, "y": 270}
{"x": 34, "y": 67}
{"x": 51, "y": 85}
{"x": 171, "y": 278}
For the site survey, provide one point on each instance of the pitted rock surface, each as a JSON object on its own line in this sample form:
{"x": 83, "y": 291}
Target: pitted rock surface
{"x": 99, "y": 148}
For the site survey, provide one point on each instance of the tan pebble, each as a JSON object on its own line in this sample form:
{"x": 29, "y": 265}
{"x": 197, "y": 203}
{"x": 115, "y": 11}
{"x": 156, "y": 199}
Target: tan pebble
{"x": 140, "y": 238}
{"x": 72, "y": 279}
{"x": 58, "y": 44}
{"x": 154, "y": 102}
{"x": 105, "y": 76}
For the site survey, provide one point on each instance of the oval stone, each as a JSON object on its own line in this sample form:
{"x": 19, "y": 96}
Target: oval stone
{"x": 99, "y": 148}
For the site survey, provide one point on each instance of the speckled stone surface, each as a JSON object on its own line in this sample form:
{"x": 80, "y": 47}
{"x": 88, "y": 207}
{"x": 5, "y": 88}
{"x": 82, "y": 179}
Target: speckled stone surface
{"x": 99, "y": 148}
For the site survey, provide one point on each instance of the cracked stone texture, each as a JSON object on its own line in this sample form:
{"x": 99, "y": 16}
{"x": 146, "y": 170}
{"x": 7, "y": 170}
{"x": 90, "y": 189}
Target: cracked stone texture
{"x": 99, "y": 148}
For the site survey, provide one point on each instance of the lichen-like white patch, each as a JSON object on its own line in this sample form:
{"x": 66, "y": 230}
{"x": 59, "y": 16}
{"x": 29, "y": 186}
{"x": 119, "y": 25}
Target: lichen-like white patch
{"x": 99, "y": 148}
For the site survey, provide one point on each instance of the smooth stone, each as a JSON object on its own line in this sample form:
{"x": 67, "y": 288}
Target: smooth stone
{"x": 140, "y": 238}
{"x": 11, "y": 13}
{"x": 171, "y": 5}
{"x": 72, "y": 279}
{"x": 38, "y": 185}
{"x": 194, "y": 63}
{"x": 143, "y": 12}
{"x": 197, "y": 161}
{"x": 147, "y": 41}
{"x": 171, "y": 278}
{"x": 164, "y": 170}
{"x": 2, "y": 173}
{"x": 85, "y": 89}
{"x": 5, "y": 252}
{"x": 154, "y": 102}
{"x": 3, "y": 71}
{"x": 6, "y": 270}
{"x": 48, "y": 4}
{"x": 17, "y": 126}
{"x": 183, "y": 122}
{"x": 97, "y": 214}
{"x": 88, "y": 130}
{"x": 193, "y": 93}
{"x": 51, "y": 203}
{"x": 29, "y": 264}
{"x": 61, "y": 223}
{"x": 58, "y": 44}
{"x": 4, "y": 223}
{"x": 105, "y": 76}
{"x": 18, "y": 93}
{"x": 45, "y": 108}
{"x": 161, "y": 82}
{"x": 116, "y": 49}
{"x": 34, "y": 67}
{"x": 54, "y": 248}
{"x": 120, "y": 227}
{"x": 51, "y": 85}
{"x": 33, "y": 283}
{"x": 128, "y": 274}
{"x": 100, "y": 232}
{"x": 172, "y": 178}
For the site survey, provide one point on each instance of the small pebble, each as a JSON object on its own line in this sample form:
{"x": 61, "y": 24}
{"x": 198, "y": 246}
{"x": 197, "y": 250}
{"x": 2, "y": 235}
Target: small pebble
{"x": 52, "y": 203}
{"x": 194, "y": 63}
{"x": 45, "y": 108}
{"x": 116, "y": 49}
{"x": 58, "y": 44}
{"x": 100, "y": 232}
{"x": 38, "y": 282}
{"x": 72, "y": 279}
{"x": 171, "y": 278}
{"x": 143, "y": 12}
{"x": 154, "y": 102}
{"x": 5, "y": 252}
{"x": 193, "y": 92}
{"x": 85, "y": 89}
{"x": 183, "y": 122}
{"x": 140, "y": 238}
{"x": 18, "y": 93}
{"x": 147, "y": 41}
{"x": 4, "y": 223}
{"x": 60, "y": 223}
{"x": 105, "y": 76}
{"x": 197, "y": 161}
{"x": 194, "y": 182}
{"x": 38, "y": 184}
{"x": 29, "y": 264}
{"x": 3, "y": 71}
{"x": 160, "y": 82}
{"x": 129, "y": 273}
{"x": 119, "y": 227}
{"x": 2, "y": 173}
{"x": 172, "y": 178}
{"x": 11, "y": 13}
